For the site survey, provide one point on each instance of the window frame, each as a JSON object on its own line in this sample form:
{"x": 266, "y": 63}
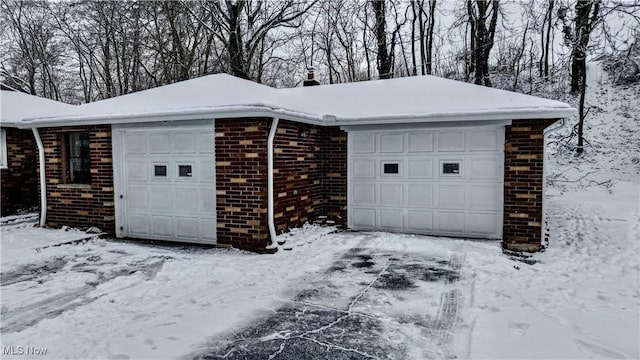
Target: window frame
{"x": 66, "y": 157}
{"x": 4, "y": 161}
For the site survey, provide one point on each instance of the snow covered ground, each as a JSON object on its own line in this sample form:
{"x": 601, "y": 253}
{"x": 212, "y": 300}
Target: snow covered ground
{"x": 355, "y": 295}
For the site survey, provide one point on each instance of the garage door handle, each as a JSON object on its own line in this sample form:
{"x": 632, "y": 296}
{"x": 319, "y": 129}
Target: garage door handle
{"x": 121, "y": 196}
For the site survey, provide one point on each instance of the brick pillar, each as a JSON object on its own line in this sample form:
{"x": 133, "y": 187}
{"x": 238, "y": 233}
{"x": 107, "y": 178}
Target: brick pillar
{"x": 523, "y": 177}
{"x": 241, "y": 182}
{"x": 334, "y": 167}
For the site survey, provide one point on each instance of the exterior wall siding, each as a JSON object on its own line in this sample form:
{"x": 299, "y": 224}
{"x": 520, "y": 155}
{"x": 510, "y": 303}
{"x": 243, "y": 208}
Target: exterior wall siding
{"x": 523, "y": 187}
{"x": 334, "y": 167}
{"x": 306, "y": 168}
{"x": 241, "y": 182}
{"x": 80, "y": 205}
{"x": 310, "y": 174}
{"x": 19, "y": 181}
{"x": 297, "y": 174}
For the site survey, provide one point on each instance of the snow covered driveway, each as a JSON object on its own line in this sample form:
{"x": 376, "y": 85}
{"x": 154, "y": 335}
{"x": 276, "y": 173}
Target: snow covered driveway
{"x": 371, "y": 303}
{"x": 343, "y": 295}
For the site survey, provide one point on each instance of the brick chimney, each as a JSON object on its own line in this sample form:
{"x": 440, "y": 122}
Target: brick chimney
{"x": 310, "y": 80}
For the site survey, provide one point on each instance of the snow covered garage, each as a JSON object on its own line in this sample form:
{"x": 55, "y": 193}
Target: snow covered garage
{"x": 224, "y": 160}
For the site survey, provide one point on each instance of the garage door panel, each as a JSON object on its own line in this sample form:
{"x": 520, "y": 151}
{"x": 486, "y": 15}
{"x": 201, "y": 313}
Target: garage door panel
{"x": 364, "y": 218}
{"x": 451, "y": 140}
{"x": 135, "y": 144}
{"x": 420, "y": 141}
{"x": 137, "y": 170}
{"x": 483, "y": 224}
{"x": 442, "y": 176}
{"x": 484, "y": 140}
{"x": 207, "y": 228}
{"x": 206, "y": 143}
{"x": 207, "y": 200}
{"x": 162, "y": 226}
{"x": 420, "y": 195}
{"x": 391, "y": 194}
{"x": 390, "y": 219}
{"x": 207, "y": 171}
{"x": 451, "y": 222}
{"x": 161, "y": 198}
{"x": 186, "y": 199}
{"x": 391, "y": 143}
{"x": 485, "y": 197}
{"x": 420, "y": 169}
{"x": 159, "y": 143}
{"x": 186, "y": 227}
{"x": 185, "y": 142}
{"x": 138, "y": 224}
{"x": 168, "y": 203}
{"x": 364, "y": 194}
{"x": 420, "y": 221}
{"x": 138, "y": 197}
{"x": 363, "y": 143}
{"x": 451, "y": 196}
{"x": 364, "y": 168}
{"x": 484, "y": 169}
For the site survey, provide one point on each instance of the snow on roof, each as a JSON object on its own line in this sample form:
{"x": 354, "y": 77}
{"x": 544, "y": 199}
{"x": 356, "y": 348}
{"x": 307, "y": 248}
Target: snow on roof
{"x": 15, "y": 106}
{"x": 420, "y": 98}
{"x": 409, "y": 99}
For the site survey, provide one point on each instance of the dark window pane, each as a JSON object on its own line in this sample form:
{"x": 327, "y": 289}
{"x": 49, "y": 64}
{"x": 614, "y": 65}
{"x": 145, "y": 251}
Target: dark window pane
{"x": 79, "y": 158}
{"x": 451, "y": 168}
{"x": 184, "y": 170}
{"x": 160, "y": 170}
{"x": 391, "y": 168}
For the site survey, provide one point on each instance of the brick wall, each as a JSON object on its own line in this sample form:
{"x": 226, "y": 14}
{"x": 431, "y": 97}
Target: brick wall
{"x": 19, "y": 182}
{"x": 80, "y": 205}
{"x": 523, "y": 176}
{"x": 298, "y": 174}
{"x": 309, "y": 178}
{"x": 241, "y": 177}
{"x": 334, "y": 165}
{"x": 310, "y": 174}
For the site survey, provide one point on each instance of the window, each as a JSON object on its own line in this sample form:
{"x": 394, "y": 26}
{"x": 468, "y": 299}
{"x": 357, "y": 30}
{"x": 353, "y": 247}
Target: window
{"x": 391, "y": 168}
{"x": 3, "y": 149}
{"x": 184, "y": 170}
{"x": 450, "y": 168}
{"x": 78, "y": 157}
{"x": 160, "y": 170}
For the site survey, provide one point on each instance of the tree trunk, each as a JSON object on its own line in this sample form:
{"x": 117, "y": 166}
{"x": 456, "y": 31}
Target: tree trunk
{"x": 384, "y": 58}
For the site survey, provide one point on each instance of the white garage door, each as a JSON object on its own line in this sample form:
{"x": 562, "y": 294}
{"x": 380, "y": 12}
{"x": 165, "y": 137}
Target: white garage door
{"x": 446, "y": 181}
{"x": 166, "y": 188}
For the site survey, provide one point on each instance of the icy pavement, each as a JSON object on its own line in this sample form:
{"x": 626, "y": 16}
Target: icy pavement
{"x": 365, "y": 295}
{"x": 371, "y": 303}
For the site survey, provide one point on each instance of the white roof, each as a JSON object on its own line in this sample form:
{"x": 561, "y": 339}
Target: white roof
{"x": 15, "y": 106}
{"x": 409, "y": 99}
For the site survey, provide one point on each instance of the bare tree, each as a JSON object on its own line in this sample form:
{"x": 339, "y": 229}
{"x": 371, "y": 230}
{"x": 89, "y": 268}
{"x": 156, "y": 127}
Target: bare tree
{"x": 483, "y": 18}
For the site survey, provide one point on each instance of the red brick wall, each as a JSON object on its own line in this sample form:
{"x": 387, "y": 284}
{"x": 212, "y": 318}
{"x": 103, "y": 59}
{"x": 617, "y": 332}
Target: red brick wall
{"x": 309, "y": 178}
{"x": 310, "y": 174}
{"x": 523, "y": 176}
{"x": 241, "y": 177}
{"x": 19, "y": 182}
{"x": 334, "y": 167}
{"x": 298, "y": 174}
{"x": 80, "y": 205}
